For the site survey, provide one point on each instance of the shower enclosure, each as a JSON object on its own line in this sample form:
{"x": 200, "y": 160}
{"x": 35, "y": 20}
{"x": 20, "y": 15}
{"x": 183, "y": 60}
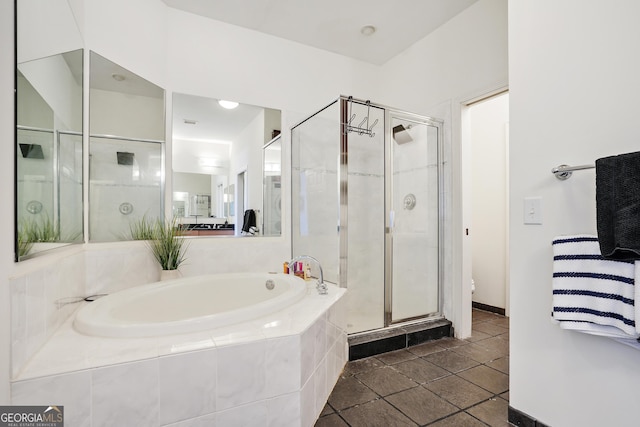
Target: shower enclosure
{"x": 366, "y": 201}
{"x": 125, "y": 178}
{"x": 49, "y": 183}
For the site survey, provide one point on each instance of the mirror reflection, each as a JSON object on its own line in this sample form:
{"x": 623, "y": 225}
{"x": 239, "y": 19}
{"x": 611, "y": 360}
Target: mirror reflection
{"x": 49, "y": 152}
{"x": 272, "y": 166}
{"x": 219, "y": 167}
{"x": 125, "y": 150}
{"x": 48, "y": 146}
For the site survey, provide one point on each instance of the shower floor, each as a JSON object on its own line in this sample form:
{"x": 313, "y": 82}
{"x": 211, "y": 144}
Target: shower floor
{"x": 447, "y": 382}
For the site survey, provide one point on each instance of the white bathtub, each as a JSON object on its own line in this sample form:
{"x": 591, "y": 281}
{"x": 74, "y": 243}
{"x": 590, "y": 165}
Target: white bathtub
{"x": 188, "y": 304}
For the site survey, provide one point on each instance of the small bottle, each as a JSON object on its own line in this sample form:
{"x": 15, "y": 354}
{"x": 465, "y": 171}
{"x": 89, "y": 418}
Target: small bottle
{"x": 285, "y": 268}
{"x": 307, "y": 271}
{"x": 298, "y": 270}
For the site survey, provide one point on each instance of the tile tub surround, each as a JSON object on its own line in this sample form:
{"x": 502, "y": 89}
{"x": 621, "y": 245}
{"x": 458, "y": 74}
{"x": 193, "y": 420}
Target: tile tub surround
{"x": 276, "y": 370}
{"x": 40, "y": 295}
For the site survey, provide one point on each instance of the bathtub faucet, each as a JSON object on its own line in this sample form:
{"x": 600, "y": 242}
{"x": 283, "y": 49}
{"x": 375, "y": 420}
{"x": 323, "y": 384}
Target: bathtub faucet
{"x": 320, "y": 285}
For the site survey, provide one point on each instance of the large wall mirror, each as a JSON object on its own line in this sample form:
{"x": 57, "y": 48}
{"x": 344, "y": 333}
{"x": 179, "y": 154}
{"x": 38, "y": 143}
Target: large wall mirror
{"x": 48, "y": 146}
{"x": 222, "y": 153}
{"x": 126, "y": 146}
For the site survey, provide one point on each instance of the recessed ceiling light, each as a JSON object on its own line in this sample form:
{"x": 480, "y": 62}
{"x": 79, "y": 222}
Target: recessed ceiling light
{"x": 229, "y": 105}
{"x": 368, "y": 30}
{"x": 117, "y": 77}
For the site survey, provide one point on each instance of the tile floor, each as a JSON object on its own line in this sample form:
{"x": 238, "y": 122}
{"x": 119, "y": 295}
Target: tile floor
{"x": 447, "y": 382}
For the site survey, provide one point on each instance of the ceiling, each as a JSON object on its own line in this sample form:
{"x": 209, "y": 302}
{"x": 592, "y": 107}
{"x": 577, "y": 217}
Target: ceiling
{"x": 332, "y": 25}
{"x": 212, "y": 122}
{"x": 335, "y": 25}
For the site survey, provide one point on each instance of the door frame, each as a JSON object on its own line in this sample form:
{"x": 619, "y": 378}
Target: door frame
{"x": 466, "y": 257}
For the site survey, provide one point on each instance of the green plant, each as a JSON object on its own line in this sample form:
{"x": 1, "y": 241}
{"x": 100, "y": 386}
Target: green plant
{"x": 40, "y": 230}
{"x": 142, "y": 229}
{"x": 167, "y": 245}
{"x": 32, "y": 230}
{"x": 24, "y": 245}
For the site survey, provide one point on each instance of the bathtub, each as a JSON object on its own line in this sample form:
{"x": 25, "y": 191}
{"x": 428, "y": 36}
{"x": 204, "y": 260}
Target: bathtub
{"x": 189, "y": 304}
{"x": 273, "y": 369}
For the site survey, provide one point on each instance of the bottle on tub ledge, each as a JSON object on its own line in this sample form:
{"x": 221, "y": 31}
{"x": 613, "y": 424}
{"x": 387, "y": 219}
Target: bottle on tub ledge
{"x": 300, "y": 269}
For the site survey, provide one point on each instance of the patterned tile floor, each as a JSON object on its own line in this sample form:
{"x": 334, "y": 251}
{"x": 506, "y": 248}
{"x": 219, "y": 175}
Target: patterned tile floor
{"x": 448, "y": 382}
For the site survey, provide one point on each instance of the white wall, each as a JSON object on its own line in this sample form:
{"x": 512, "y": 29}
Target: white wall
{"x": 247, "y": 156}
{"x": 55, "y": 83}
{"x": 574, "y": 89}
{"x": 122, "y": 114}
{"x": 464, "y": 59}
{"x": 488, "y": 139}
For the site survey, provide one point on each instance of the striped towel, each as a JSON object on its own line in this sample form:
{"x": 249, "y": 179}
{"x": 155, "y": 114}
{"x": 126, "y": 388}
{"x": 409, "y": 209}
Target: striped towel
{"x": 591, "y": 294}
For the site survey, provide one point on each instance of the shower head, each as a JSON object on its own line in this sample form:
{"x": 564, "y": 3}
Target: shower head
{"x": 401, "y": 134}
{"x": 31, "y": 151}
{"x": 125, "y": 158}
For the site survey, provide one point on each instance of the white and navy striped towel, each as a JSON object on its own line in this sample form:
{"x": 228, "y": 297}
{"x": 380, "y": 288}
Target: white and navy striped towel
{"x": 591, "y": 294}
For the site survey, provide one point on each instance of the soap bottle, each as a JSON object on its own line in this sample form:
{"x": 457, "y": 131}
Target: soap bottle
{"x": 298, "y": 269}
{"x": 307, "y": 271}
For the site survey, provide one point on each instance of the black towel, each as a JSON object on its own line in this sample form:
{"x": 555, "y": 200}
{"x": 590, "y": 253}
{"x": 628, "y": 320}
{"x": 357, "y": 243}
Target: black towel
{"x": 618, "y": 206}
{"x": 249, "y": 220}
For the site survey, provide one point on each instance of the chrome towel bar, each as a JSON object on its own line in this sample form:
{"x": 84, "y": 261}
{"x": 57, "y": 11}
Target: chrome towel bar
{"x": 564, "y": 172}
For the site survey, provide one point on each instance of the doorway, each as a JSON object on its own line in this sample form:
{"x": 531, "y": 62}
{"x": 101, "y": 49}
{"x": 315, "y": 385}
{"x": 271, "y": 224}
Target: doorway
{"x": 240, "y": 201}
{"x": 488, "y": 143}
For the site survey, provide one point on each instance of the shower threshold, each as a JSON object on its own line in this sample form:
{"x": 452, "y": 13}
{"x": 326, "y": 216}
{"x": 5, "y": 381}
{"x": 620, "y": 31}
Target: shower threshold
{"x": 397, "y": 337}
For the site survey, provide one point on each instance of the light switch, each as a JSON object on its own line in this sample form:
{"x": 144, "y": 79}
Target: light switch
{"x": 533, "y": 210}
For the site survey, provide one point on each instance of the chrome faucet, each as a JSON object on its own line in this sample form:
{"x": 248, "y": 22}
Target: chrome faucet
{"x": 320, "y": 285}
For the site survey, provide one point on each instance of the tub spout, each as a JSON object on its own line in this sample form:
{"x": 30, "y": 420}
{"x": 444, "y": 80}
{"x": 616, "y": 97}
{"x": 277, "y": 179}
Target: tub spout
{"x": 320, "y": 285}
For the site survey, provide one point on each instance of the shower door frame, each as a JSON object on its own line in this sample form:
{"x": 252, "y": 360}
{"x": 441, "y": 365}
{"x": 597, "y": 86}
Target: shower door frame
{"x": 343, "y": 207}
{"x": 389, "y": 114}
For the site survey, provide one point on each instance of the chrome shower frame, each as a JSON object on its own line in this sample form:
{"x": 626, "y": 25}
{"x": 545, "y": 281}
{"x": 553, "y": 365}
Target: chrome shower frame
{"x": 343, "y": 228}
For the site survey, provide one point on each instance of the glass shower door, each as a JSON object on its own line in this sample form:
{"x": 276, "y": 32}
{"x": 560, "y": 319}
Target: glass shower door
{"x": 365, "y": 188}
{"x": 315, "y": 158}
{"x": 413, "y": 232}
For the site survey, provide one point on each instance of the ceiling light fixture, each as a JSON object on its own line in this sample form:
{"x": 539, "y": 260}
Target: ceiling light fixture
{"x": 368, "y": 30}
{"x": 229, "y": 105}
{"x": 117, "y": 77}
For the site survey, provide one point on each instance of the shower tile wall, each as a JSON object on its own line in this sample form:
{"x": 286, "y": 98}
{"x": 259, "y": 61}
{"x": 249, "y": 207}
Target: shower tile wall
{"x": 315, "y": 227}
{"x": 137, "y": 185}
{"x": 415, "y": 232}
{"x": 366, "y": 224}
{"x": 414, "y": 253}
{"x": 35, "y": 176}
{"x": 70, "y": 187}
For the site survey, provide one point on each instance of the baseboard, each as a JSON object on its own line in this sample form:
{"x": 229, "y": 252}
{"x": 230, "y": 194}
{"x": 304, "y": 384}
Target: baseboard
{"x": 490, "y": 308}
{"x": 520, "y": 419}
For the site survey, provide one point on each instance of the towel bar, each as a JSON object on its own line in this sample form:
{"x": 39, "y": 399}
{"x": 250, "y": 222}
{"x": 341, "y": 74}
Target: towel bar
{"x": 564, "y": 172}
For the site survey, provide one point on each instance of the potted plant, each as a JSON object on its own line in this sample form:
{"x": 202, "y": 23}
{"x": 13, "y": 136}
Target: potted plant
{"x": 32, "y": 231}
{"x": 166, "y": 244}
